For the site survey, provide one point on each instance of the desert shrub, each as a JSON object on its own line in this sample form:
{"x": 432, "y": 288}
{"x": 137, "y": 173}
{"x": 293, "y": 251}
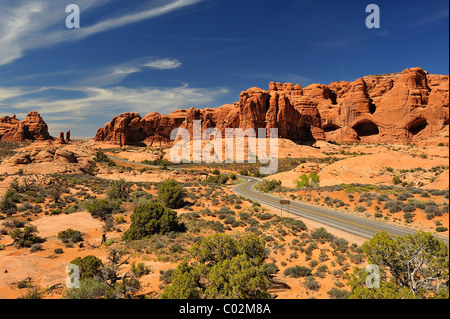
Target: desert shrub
{"x": 265, "y": 216}
{"x": 396, "y": 180}
{"x": 270, "y": 185}
{"x": 271, "y": 268}
{"x": 89, "y": 289}
{"x": 313, "y": 263}
{"x": 339, "y": 244}
{"x": 35, "y": 247}
{"x": 139, "y": 269}
{"x": 102, "y": 157}
{"x": 360, "y": 209}
{"x": 382, "y": 198}
{"x": 441, "y": 229}
{"x": 340, "y": 259}
{"x": 102, "y": 208}
{"x": 244, "y": 172}
{"x": 120, "y": 219}
{"x": 295, "y": 225}
{"x": 393, "y": 206}
{"x": 297, "y": 271}
{"x": 26, "y": 237}
{"x": 336, "y": 293}
{"x": 89, "y": 266}
{"x": 321, "y": 235}
{"x": 172, "y": 194}
{"x": 432, "y": 211}
{"x": 70, "y": 234}
{"x": 404, "y": 196}
{"x": 408, "y": 208}
{"x": 313, "y": 180}
{"x": 8, "y": 203}
{"x": 438, "y": 192}
{"x": 244, "y": 215}
{"x": 323, "y": 256}
{"x": 118, "y": 189}
{"x": 217, "y": 179}
{"x": 356, "y": 258}
{"x": 311, "y": 283}
{"x": 153, "y": 218}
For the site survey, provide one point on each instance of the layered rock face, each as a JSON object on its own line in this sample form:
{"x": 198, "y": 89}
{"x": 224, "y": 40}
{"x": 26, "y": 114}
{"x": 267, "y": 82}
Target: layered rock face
{"x": 393, "y": 108}
{"x": 32, "y": 127}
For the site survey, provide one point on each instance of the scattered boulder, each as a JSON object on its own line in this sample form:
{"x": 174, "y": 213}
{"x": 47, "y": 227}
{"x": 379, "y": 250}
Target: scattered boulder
{"x": 65, "y": 156}
{"x": 19, "y": 159}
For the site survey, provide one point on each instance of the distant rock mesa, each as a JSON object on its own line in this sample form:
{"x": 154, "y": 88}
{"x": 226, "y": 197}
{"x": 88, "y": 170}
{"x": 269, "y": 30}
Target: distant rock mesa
{"x": 32, "y": 128}
{"x": 391, "y": 108}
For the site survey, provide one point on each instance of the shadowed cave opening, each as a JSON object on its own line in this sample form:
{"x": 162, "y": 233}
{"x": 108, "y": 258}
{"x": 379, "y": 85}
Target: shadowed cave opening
{"x": 306, "y": 134}
{"x": 372, "y": 106}
{"x": 417, "y": 126}
{"x": 330, "y": 128}
{"x": 366, "y": 128}
{"x": 333, "y": 98}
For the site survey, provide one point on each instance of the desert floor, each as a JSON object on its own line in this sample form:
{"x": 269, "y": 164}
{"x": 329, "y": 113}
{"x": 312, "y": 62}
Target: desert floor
{"x": 356, "y": 179}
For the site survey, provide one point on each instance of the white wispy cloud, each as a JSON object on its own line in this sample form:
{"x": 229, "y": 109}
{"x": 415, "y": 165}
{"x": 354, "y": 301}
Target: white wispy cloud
{"x": 27, "y": 25}
{"x": 110, "y": 101}
{"x": 164, "y": 64}
{"x": 431, "y": 17}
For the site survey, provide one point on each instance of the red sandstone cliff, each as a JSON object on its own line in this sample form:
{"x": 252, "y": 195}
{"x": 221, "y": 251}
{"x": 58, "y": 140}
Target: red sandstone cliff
{"x": 399, "y": 108}
{"x": 32, "y": 127}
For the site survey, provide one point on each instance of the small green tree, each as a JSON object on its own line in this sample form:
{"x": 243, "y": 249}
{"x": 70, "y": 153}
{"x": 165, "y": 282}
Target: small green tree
{"x": 89, "y": 289}
{"x": 225, "y": 267}
{"x": 90, "y": 266}
{"x": 8, "y": 203}
{"x": 414, "y": 266}
{"x": 70, "y": 234}
{"x": 172, "y": 194}
{"x": 102, "y": 208}
{"x": 149, "y": 219}
{"x": 26, "y": 237}
{"x": 396, "y": 180}
{"x": 270, "y": 185}
{"x": 237, "y": 278}
{"x": 313, "y": 180}
{"x": 118, "y": 189}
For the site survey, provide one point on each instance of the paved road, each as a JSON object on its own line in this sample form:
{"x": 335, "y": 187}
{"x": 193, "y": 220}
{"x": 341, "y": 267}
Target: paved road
{"x": 356, "y": 225}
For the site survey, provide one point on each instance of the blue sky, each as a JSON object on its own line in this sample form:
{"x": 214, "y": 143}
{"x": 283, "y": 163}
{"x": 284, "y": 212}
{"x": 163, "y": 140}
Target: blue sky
{"x": 161, "y": 55}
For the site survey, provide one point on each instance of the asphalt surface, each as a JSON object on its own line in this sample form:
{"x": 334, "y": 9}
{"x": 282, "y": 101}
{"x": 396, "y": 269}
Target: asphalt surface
{"x": 352, "y": 224}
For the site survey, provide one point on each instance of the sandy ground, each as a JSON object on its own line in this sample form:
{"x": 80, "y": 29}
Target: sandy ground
{"x": 45, "y": 267}
{"x": 365, "y": 164}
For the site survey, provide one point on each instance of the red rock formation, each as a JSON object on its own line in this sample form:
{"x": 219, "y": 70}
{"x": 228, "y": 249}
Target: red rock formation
{"x": 61, "y": 139}
{"x": 399, "y": 107}
{"x": 32, "y": 127}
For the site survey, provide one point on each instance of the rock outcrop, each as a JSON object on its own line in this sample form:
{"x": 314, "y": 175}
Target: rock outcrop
{"x": 401, "y": 107}
{"x": 32, "y": 127}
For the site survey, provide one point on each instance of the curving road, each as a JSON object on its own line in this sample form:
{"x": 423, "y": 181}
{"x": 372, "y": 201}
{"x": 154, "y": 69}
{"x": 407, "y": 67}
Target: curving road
{"x": 356, "y": 225}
